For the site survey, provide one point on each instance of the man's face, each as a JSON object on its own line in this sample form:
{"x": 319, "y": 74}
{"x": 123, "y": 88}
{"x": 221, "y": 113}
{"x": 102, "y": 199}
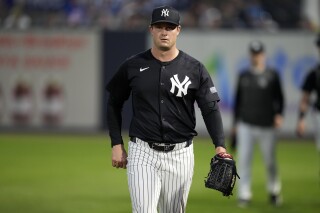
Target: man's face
{"x": 257, "y": 58}
{"x": 164, "y": 35}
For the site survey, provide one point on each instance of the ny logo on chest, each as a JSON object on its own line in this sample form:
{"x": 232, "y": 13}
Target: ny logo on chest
{"x": 181, "y": 86}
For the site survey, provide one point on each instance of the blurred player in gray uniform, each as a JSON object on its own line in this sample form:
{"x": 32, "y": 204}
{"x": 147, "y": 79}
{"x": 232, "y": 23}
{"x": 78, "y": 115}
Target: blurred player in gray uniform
{"x": 258, "y": 112}
{"x": 311, "y": 84}
{"x": 164, "y": 83}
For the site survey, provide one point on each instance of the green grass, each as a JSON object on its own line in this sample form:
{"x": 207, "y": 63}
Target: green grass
{"x": 73, "y": 174}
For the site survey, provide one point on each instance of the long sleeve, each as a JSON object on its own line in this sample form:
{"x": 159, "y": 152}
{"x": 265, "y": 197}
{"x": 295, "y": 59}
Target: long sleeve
{"x": 212, "y": 118}
{"x": 114, "y": 120}
{"x": 279, "y": 99}
{"x": 236, "y": 105}
{"x": 119, "y": 91}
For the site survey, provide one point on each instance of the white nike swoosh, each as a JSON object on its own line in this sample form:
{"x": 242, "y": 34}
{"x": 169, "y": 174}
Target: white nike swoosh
{"x": 142, "y": 69}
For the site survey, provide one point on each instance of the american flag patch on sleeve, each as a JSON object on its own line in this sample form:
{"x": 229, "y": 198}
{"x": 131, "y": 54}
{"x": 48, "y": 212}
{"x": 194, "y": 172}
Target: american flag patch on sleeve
{"x": 213, "y": 90}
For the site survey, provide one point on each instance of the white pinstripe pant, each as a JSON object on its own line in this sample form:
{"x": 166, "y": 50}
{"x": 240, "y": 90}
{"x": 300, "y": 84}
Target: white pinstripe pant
{"x": 159, "y": 180}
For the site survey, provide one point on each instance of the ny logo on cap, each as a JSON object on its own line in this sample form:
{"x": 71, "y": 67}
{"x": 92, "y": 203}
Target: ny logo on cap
{"x": 165, "y": 12}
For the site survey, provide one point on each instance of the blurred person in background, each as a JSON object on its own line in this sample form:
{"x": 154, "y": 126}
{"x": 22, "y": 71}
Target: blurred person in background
{"x": 310, "y": 85}
{"x": 22, "y": 102}
{"x": 53, "y": 103}
{"x": 258, "y": 110}
{"x": 268, "y": 15}
{"x": 18, "y": 17}
{"x": 286, "y": 13}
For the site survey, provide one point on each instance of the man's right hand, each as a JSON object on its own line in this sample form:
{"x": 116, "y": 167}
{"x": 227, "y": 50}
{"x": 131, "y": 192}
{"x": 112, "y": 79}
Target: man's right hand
{"x": 119, "y": 156}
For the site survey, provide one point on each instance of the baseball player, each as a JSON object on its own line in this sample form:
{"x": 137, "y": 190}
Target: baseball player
{"x": 310, "y": 85}
{"x": 258, "y": 112}
{"x": 164, "y": 82}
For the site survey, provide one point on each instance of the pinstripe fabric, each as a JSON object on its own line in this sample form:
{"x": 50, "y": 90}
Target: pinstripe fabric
{"x": 159, "y": 180}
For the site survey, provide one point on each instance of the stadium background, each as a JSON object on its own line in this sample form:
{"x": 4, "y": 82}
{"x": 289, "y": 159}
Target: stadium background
{"x": 56, "y": 57}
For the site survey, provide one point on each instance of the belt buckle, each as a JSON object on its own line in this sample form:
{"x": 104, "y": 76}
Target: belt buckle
{"x": 154, "y": 146}
{"x": 167, "y": 147}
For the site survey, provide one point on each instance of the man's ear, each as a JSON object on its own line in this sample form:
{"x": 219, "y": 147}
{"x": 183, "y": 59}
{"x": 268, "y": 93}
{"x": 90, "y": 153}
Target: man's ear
{"x": 179, "y": 29}
{"x": 150, "y": 29}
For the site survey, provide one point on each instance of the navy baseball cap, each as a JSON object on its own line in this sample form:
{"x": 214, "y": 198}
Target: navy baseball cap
{"x": 165, "y": 14}
{"x": 256, "y": 47}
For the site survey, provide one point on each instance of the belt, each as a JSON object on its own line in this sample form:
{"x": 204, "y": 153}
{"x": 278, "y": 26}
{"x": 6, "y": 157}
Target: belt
{"x": 162, "y": 147}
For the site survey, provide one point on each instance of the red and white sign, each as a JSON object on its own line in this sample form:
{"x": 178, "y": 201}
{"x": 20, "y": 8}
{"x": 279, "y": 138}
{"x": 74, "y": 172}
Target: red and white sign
{"x": 49, "y": 79}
